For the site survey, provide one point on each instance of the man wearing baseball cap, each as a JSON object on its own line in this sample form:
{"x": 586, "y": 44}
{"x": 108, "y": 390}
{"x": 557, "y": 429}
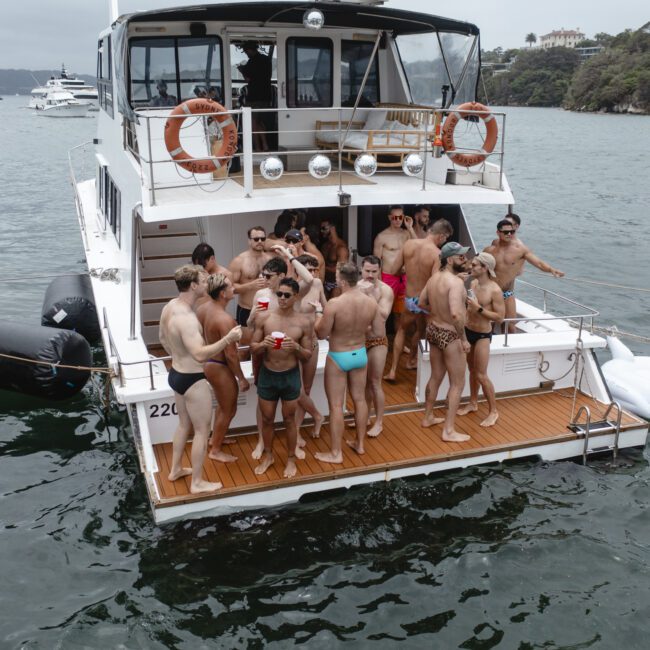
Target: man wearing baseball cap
{"x": 485, "y": 305}
{"x": 444, "y": 297}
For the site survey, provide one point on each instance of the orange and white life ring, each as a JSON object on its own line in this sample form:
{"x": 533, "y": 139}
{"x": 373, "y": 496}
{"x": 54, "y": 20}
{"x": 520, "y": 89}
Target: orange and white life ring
{"x": 492, "y": 131}
{"x": 173, "y": 141}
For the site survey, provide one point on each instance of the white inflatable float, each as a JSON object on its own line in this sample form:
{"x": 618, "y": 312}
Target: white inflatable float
{"x": 628, "y": 378}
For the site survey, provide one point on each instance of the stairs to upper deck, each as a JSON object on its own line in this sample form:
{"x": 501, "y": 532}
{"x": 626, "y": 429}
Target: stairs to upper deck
{"x": 165, "y": 247}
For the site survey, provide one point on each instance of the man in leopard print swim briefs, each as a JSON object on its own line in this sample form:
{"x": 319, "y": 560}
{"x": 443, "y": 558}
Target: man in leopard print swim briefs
{"x": 444, "y": 298}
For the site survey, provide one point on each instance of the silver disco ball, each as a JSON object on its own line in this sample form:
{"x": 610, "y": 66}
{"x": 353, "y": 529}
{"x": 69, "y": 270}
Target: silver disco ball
{"x": 365, "y": 165}
{"x": 271, "y": 168}
{"x": 413, "y": 164}
{"x": 313, "y": 19}
{"x": 319, "y": 166}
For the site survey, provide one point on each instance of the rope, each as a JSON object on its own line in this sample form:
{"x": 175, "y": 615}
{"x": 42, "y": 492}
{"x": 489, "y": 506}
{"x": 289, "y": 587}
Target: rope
{"x": 598, "y": 283}
{"x": 104, "y": 371}
{"x": 613, "y": 331}
{"x": 27, "y": 278}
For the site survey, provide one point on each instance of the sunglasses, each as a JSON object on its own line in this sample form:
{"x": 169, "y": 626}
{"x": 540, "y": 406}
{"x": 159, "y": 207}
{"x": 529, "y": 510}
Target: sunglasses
{"x": 312, "y": 269}
{"x": 392, "y": 218}
{"x": 284, "y": 294}
{"x": 292, "y": 241}
{"x": 258, "y": 238}
{"x": 267, "y": 276}
{"x": 507, "y": 232}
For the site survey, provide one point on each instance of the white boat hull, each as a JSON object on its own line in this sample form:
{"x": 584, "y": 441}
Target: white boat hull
{"x": 69, "y": 110}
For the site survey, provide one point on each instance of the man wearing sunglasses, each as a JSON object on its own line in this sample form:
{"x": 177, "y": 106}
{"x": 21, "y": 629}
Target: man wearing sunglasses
{"x": 246, "y": 269}
{"x": 282, "y": 338}
{"x": 510, "y": 254}
{"x": 388, "y": 247}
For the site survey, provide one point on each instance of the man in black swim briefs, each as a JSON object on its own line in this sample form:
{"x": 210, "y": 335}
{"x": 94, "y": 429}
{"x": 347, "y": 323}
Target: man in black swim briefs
{"x": 485, "y": 306}
{"x": 182, "y": 337}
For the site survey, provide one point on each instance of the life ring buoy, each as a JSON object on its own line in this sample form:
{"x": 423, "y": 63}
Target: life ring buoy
{"x": 492, "y": 131}
{"x": 173, "y": 141}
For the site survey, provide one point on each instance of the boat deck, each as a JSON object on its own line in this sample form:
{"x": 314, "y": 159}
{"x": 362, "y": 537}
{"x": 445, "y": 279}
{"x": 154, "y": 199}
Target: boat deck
{"x": 526, "y": 422}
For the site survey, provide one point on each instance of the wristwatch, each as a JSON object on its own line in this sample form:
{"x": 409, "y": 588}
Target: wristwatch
{"x": 480, "y": 310}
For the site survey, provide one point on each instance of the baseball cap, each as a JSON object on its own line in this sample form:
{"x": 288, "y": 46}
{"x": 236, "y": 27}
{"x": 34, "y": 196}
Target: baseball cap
{"x": 488, "y": 260}
{"x": 294, "y": 234}
{"x": 452, "y": 248}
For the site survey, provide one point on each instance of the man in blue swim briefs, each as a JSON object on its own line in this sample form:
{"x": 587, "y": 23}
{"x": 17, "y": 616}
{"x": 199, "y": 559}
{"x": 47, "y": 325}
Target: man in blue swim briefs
{"x": 345, "y": 320}
{"x": 283, "y": 337}
{"x": 182, "y": 337}
{"x": 510, "y": 254}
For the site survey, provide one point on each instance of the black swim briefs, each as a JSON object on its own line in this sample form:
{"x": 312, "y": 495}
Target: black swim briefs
{"x": 181, "y": 382}
{"x": 473, "y": 337}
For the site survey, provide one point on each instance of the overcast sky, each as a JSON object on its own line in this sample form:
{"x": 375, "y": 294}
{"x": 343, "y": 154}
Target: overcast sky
{"x": 42, "y": 34}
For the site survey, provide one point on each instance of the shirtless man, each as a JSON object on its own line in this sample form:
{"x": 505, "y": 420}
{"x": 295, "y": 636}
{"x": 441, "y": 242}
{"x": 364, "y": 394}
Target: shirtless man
{"x": 313, "y": 299}
{"x": 310, "y": 240}
{"x": 335, "y": 251}
{"x": 376, "y": 341}
{"x": 182, "y": 337}
{"x": 421, "y": 220}
{"x": 388, "y": 247}
{"x": 345, "y": 321}
{"x": 203, "y": 255}
{"x": 222, "y": 370}
{"x": 421, "y": 260}
{"x": 279, "y": 377}
{"x": 444, "y": 297}
{"x": 510, "y": 254}
{"x": 246, "y": 269}
{"x": 485, "y": 305}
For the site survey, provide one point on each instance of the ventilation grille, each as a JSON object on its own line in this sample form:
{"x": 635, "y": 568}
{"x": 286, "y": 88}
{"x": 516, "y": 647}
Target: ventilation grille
{"x": 519, "y": 364}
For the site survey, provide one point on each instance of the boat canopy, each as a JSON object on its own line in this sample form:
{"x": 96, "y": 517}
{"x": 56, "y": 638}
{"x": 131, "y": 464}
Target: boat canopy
{"x": 446, "y": 51}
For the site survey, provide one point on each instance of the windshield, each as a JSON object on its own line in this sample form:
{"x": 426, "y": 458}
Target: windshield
{"x": 424, "y": 65}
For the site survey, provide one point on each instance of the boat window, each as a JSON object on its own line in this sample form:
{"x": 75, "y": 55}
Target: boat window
{"x": 238, "y": 62}
{"x": 167, "y": 71}
{"x": 355, "y": 56}
{"x": 109, "y": 202}
{"x": 424, "y": 66}
{"x": 104, "y": 77}
{"x": 309, "y": 72}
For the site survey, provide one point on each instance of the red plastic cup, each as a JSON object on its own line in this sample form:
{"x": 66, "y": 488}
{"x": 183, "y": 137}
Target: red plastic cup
{"x": 279, "y": 337}
{"x": 263, "y": 304}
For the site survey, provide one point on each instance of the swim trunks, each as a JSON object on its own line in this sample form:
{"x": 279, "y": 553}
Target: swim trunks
{"x": 440, "y": 337}
{"x": 473, "y": 337}
{"x": 375, "y": 342}
{"x": 282, "y": 385}
{"x": 242, "y": 316}
{"x": 350, "y": 359}
{"x": 398, "y": 284}
{"x": 413, "y": 305}
{"x": 181, "y": 382}
{"x": 507, "y": 294}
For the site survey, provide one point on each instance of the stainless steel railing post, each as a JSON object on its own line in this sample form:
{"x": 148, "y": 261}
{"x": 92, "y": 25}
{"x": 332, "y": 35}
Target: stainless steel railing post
{"x": 135, "y": 224}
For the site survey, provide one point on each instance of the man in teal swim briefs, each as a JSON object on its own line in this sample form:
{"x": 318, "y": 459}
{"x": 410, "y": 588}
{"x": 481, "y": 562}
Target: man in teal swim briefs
{"x": 345, "y": 321}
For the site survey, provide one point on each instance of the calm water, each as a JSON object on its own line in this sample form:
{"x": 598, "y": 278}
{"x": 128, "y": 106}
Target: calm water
{"x": 531, "y": 555}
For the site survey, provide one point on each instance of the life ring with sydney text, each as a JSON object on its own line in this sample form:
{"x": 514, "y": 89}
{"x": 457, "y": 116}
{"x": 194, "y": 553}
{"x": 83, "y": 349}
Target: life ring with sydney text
{"x": 200, "y": 106}
{"x": 472, "y": 158}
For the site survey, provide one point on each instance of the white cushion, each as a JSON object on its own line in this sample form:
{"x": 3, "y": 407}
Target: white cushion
{"x": 375, "y": 120}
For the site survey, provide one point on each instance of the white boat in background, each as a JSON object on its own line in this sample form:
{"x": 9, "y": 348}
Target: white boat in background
{"x": 359, "y": 95}
{"x": 78, "y": 87}
{"x": 61, "y": 103}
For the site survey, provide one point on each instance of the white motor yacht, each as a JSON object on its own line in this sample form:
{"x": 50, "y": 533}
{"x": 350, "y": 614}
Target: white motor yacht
{"x": 78, "y": 87}
{"x": 61, "y": 103}
{"x": 360, "y": 93}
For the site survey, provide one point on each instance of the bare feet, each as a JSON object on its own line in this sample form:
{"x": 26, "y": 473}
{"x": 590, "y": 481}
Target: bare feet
{"x": 491, "y": 419}
{"x": 290, "y": 470}
{"x": 267, "y": 461}
{"x": 183, "y": 471}
{"x": 204, "y": 486}
{"x": 468, "y": 408}
{"x": 429, "y": 421}
{"x": 299, "y": 453}
{"x": 300, "y": 441}
{"x": 329, "y": 457}
{"x": 454, "y": 436}
{"x": 358, "y": 447}
{"x": 222, "y": 457}
{"x": 376, "y": 429}
{"x": 259, "y": 448}
{"x": 318, "y": 423}
{"x": 390, "y": 377}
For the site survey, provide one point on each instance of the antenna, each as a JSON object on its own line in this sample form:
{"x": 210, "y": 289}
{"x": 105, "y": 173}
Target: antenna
{"x": 113, "y": 11}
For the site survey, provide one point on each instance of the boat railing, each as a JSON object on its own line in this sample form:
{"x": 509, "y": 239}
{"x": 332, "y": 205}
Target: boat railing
{"x": 336, "y": 133}
{"x": 79, "y": 161}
